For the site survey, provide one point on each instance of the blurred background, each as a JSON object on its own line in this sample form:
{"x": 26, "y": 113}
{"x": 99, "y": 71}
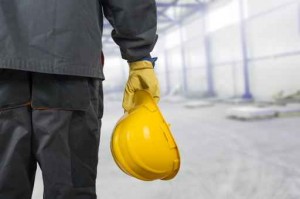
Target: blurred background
{"x": 230, "y": 80}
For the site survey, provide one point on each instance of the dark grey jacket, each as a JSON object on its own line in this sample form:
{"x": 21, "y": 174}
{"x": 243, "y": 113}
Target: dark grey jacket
{"x": 64, "y": 36}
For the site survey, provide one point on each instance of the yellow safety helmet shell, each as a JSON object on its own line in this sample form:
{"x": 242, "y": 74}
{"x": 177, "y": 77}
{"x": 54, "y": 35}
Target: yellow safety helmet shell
{"x": 142, "y": 143}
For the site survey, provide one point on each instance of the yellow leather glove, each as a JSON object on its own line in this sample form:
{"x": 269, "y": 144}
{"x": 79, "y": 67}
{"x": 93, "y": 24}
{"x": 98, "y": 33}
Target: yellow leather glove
{"x": 141, "y": 77}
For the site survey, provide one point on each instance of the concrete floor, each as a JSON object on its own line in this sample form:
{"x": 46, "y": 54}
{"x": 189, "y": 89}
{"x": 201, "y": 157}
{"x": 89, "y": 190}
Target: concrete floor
{"x": 221, "y": 158}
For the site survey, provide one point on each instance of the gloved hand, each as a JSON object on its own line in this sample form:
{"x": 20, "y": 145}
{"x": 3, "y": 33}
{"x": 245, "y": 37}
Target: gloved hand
{"x": 141, "y": 77}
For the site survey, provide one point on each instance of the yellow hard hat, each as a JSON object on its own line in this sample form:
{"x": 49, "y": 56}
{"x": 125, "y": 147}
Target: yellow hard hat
{"x": 142, "y": 143}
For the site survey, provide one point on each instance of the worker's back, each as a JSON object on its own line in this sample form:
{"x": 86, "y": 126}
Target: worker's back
{"x": 64, "y": 36}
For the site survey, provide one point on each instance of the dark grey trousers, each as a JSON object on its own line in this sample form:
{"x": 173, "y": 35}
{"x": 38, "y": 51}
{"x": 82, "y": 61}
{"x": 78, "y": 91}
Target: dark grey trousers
{"x": 54, "y": 121}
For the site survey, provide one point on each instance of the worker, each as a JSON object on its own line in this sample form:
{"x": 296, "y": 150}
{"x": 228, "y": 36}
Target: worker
{"x": 51, "y": 98}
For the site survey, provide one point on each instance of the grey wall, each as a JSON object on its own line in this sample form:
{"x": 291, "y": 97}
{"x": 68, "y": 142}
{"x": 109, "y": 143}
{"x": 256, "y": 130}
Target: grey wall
{"x": 272, "y": 38}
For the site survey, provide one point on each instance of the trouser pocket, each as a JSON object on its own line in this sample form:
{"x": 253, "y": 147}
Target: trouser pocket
{"x": 96, "y": 95}
{"x": 14, "y": 88}
{"x": 60, "y": 92}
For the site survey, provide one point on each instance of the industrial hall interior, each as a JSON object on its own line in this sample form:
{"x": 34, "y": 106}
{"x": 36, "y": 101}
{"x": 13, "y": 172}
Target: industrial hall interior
{"x": 229, "y": 74}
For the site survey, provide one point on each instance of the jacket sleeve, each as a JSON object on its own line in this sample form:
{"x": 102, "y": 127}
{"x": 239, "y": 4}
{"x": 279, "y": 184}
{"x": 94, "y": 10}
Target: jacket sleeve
{"x": 135, "y": 26}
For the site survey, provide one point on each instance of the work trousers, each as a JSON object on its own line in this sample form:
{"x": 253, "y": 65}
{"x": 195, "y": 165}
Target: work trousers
{"x": 53, "y": 121}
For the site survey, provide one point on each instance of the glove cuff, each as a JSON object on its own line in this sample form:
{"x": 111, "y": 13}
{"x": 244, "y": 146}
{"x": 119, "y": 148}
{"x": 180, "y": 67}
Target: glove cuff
{"x": 138, "y": 65}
